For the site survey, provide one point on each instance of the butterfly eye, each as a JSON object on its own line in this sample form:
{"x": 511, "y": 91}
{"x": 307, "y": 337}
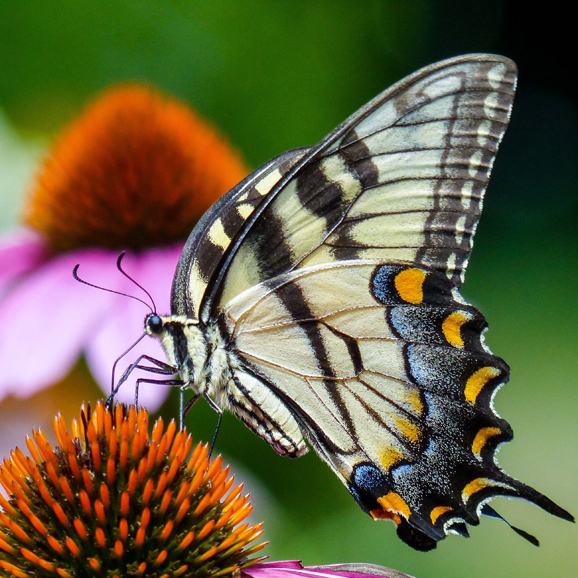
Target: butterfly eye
{"x": 154, "y": 323}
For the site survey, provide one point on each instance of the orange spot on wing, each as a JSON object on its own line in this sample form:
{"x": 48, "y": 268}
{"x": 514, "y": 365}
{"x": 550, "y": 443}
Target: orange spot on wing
{"x": 409, "y": 285}
{"x": 413, "y": 398}
{"x": 393, "y": 502}
{"x": 452, "y": 328}
{"x": 482, "y": 437}
{"x": 380, "y": 514}
{"x": 479, "y": 484}
{"x": 437, "y": 512}
{"x": 408, "y": 429}
{"x": 389, "y": 457}
{"x": 477, "y": 381}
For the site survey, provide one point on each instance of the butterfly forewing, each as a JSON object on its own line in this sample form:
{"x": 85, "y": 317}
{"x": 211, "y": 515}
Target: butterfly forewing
{"x": 402, "y": 179}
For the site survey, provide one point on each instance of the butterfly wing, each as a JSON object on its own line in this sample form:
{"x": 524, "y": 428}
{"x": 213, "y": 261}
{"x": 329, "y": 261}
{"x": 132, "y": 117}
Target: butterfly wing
{"x": 339, "y": 294}
{"x": 386, "y": 371}
{"x": 403, "y": 178}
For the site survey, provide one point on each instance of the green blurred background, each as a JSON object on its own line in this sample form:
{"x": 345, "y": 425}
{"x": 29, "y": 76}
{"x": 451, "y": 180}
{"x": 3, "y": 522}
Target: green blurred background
{"x": 276, "y": 75}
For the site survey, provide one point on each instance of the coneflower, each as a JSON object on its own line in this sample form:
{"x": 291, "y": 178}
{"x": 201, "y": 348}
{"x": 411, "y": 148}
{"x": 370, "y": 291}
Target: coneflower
{"x": 133, "y": 173}
{"x": 112, "y": 500}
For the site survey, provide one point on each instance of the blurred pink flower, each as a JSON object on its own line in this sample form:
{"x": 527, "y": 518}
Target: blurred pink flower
{"x": 53, "y": 319}
{"x": 133, "y": 173}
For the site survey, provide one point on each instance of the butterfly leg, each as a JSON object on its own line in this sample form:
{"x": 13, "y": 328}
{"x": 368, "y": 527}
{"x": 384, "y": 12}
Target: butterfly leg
{"x": 220, "y": 412}
{"x": 162, "y": 368}
{"x": 190, "y": 403}
{"x": 174, "y": 382}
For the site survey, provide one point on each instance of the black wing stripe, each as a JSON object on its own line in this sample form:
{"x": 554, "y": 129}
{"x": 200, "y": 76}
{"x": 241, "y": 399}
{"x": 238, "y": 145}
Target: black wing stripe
{"x": 209, "y": 240}
{"x": 410, "y": 449}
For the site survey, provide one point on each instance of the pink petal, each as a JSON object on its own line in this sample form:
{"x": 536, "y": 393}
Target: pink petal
{"x": 123, "y": 325}
{"x": 295, "y": 564}
{"x": 294, "y": 569}
{"x": 46, "y": 323}
{"x": 21, "y": 252}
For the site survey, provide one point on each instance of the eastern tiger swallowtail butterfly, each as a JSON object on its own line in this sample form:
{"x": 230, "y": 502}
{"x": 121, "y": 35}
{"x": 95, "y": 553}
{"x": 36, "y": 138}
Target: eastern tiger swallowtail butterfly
{"x": 319, "y": 301}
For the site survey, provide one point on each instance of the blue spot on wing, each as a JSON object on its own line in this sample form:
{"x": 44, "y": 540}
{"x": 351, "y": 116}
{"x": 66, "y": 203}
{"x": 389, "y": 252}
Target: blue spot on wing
{"x": 368, "y": 478}
{"x": 383, "y": 284}
{"x": 367, "y": 484}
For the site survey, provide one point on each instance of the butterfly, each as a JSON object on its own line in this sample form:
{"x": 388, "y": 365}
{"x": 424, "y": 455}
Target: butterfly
{"x": 319, "y": 301}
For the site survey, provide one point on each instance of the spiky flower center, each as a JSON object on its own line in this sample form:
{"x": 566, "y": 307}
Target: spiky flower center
{"x": 137, "y": 169}
{"x": 112, "y": 500}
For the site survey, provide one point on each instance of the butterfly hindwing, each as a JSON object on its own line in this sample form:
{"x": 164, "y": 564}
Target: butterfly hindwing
{"x": 384, "y": 368}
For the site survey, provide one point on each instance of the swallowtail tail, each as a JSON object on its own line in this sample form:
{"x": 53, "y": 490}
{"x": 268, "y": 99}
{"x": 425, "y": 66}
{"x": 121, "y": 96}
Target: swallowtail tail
{"x": 319, "y": 301}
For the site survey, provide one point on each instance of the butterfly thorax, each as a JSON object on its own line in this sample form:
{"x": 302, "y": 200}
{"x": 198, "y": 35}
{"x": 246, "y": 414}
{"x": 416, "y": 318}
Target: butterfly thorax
{"x": 200, "y": 355}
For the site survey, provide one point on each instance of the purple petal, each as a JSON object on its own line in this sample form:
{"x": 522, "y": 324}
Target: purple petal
{"x": 295, "y": 564}
{"x": 47, "y": 321}
{"x": 52, "y": 317}
{"x": 294, "y": 569}
{"x": 20, "y": 252}
{"x": 123, "y": 325}
{"x": 356, "y": 571}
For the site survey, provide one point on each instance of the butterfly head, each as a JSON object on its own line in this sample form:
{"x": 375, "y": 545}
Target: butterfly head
{"x": 154, "y": 324}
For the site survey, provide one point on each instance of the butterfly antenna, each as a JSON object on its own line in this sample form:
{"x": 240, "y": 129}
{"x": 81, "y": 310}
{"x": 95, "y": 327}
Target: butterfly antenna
{"x": 75, "y": 275}
{"x": 119, "y": 267}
